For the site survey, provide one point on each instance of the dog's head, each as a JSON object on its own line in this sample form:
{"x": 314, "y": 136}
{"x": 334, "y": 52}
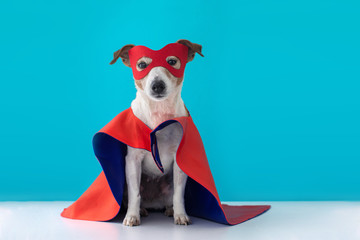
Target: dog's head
{"x": 158, "y": 73}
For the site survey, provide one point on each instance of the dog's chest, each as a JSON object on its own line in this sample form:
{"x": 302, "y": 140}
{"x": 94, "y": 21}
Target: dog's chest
{"x": 168, "y": 140}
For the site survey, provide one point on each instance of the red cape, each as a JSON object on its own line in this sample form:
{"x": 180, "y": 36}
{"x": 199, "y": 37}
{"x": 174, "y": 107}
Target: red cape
{"x": 102, "y": 200}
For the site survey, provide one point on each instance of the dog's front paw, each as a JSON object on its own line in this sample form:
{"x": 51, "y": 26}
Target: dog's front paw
{"x": 182, "y": 219}
{"x": 131, "y": 220}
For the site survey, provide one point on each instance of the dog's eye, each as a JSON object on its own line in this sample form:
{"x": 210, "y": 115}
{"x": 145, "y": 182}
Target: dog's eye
{"x": 142, "y": 65}
{"x": 172, "y": 62}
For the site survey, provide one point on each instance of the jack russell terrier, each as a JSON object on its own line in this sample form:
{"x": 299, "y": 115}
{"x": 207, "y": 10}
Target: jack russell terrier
{"x": 158, "y": 99}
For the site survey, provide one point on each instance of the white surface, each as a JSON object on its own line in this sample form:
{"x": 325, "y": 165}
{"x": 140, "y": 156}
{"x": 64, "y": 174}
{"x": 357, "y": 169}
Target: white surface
{"x": 285, "y": 220}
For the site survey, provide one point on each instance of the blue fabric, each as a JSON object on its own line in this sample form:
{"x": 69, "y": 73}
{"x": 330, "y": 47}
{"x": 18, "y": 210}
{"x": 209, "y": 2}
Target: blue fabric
{"x": 199, "y": 202}
{"x": 111, "y": 155}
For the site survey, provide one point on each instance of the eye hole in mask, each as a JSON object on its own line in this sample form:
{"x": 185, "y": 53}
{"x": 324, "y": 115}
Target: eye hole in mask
{"x": 174, "y": 62}
{"x": 142, "y": 63}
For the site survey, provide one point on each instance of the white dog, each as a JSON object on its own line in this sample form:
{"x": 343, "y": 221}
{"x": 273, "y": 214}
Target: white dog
{"x": 158, "y": 99}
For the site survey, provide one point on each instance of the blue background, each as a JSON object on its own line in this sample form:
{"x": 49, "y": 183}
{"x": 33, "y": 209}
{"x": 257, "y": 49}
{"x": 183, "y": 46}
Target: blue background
{"x": 276, "y": 97}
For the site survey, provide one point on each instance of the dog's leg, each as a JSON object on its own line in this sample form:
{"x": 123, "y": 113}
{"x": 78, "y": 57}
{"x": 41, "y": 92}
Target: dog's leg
{"x": 133, "y": 162}
{"x": 180, "y": 216}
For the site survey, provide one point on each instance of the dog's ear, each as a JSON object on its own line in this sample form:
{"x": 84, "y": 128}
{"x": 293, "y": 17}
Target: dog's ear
{"x": 123, "y": 53}
{"x": 193, "y": 48}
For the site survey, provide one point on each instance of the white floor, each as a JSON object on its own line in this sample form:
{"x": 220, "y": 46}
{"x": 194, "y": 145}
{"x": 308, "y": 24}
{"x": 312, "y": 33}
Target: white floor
{"x": 285, "y": 220}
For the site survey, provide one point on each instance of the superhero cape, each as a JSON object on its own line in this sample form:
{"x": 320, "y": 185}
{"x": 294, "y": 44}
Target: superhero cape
{"x": 102, "y": 200}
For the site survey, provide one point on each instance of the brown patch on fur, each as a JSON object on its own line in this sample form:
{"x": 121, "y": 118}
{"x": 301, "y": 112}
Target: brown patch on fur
{"x": 170, "y": 76}
{"x": 123, "y": 53}
{"x": 187, "y": 111}
{"x": 179, "y": 81}
{"x": 193, "y": 48}
{"x": 139, "y": 84}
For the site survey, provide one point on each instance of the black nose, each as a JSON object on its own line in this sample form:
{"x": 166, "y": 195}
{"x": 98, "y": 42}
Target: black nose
{"x": 158, "y": 86}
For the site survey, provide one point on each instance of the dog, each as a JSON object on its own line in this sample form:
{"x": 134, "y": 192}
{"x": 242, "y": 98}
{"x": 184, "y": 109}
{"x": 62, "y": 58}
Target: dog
{"x": 158, "y": 98}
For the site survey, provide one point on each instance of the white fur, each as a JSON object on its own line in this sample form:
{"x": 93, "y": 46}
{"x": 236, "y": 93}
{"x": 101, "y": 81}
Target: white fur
{"x": 152, "y": 112}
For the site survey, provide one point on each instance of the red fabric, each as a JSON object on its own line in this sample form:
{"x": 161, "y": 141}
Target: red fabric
{"x": 98, "y": 202}
{"x": 127, "y": 128}
{"x": 159, "y": 59}
{"x": 239, "y": 214}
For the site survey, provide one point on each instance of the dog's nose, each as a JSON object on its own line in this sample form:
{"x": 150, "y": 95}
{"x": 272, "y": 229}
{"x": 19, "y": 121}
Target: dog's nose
{"x": 158, "y": 86}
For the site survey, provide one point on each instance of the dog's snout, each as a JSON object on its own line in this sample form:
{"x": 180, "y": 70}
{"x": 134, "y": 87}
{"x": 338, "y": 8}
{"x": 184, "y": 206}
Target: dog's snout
{"x": 158, "y": 86}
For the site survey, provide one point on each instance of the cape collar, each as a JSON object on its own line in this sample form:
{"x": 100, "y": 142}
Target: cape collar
{"x": 144, "y": 126}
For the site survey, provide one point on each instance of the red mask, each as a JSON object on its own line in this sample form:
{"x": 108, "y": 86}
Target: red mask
{"x": 159, "y": 59}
